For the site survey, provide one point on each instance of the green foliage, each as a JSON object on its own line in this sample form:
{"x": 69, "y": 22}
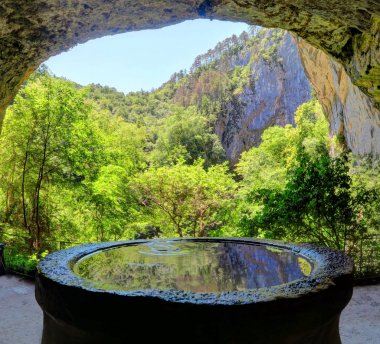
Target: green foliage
{"x": 112, "y": 201}
{"x": 293, "y": 189}
{"x": 62, "y": 156}
{"x": 315, "y": 204}
{"x": 365, "y": 187}
{"x": 311, "y": 132}
{"x": 186, "y": 198}
{"x": 25, "y": 264}
{"x": 240, "y": 79}
{"x": 39, "y": 127}
{"x": 135, "y": 107}
{"x": 266, "y": 167}
{"x": 187, "y": 134}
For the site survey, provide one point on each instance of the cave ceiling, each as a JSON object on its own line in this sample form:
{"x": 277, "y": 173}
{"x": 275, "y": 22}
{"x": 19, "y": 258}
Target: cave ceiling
{"x": 33, "y": 31}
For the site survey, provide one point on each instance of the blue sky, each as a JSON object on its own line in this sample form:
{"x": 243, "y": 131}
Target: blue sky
{"x": 142, "y": 59}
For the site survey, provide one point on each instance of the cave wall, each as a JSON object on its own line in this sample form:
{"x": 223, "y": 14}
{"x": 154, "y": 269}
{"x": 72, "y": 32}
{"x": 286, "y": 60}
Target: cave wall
{"x": 350, "y": 112}
{"x": 32, "y": 31}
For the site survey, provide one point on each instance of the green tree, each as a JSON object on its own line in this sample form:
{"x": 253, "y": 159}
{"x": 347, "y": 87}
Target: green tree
{"x": 265, "y": 170}
{"x": 315, "y": 205}
{"x": 293, "y": 189}
{"x": 41, "y": 122}
{"x": 187, "y": 197}
{"x": 110, "y": 197}
{"x": 364, "y": 172}
{"x": 187, "y": 134}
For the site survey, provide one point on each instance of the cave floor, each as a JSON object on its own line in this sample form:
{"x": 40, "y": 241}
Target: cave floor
{"x": 21, "y": 317}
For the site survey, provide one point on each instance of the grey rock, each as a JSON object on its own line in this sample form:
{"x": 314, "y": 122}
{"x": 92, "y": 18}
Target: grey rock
{"x": 350, "y": 112}
{"x": 305, "y": 310}
{"x": 276, "y": 89}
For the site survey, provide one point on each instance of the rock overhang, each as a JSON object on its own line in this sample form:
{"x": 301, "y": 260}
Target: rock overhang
{"x": 31, "y": 32}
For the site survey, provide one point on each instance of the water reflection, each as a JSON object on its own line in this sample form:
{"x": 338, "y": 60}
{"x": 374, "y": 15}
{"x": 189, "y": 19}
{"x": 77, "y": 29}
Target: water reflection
{"x": 163, "y": 248}
{"x": 192, "y": 266}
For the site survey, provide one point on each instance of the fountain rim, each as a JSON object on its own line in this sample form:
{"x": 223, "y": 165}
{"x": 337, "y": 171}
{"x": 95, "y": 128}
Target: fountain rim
{"x": 329, "y": 265}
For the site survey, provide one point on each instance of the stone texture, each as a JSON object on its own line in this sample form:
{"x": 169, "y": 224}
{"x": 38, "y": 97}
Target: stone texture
{"x": 277, "y": 87}
{"x": 21, "y": 317}
{"x": 350, "y": 112}
{"x": 305, "y": 310}
{"x": 32, "y": 31}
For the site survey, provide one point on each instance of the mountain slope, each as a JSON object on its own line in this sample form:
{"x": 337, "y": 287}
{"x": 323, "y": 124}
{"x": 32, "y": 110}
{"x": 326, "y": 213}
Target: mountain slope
{"x": 243, "y": 85}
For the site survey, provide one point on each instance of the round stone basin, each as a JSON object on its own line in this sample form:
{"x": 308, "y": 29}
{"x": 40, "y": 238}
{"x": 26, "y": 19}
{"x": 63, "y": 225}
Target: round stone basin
{"x": 192, "y": 266}
{"x": 193, "y": 291}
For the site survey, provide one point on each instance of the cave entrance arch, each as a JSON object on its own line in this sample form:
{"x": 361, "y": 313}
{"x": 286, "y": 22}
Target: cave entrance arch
{"x": 349, "y": 32}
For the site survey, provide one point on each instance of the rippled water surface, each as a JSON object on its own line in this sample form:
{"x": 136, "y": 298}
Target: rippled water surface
{"x": 192, "y": 266}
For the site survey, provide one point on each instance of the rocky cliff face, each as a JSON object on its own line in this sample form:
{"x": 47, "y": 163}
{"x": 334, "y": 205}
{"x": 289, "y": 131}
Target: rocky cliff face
{"x": 350, "y": 112}
{"x": 277, "y": 86}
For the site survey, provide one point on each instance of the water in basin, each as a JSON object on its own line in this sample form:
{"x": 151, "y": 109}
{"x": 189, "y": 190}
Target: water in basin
{"x": 195, "y": 266}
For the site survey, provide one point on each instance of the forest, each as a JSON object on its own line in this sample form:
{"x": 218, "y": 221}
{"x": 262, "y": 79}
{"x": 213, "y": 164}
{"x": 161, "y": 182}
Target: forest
{"x": 89, "y": 164}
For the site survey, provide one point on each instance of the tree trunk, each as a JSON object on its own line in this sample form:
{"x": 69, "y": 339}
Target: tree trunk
{"x": 179, "y": 230}
{"x": 9, "y": 198}
{"x": 26, "y": 156}
{"x": 38, "y": 190}
{"x": 201, "y": 227}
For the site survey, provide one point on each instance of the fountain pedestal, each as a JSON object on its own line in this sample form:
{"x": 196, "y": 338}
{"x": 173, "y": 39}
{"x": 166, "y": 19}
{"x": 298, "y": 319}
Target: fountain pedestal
{"x": 193, "y": 291}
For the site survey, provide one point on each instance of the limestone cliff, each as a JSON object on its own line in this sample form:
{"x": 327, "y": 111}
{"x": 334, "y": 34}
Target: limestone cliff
{"x": 277, "y": 86}
{"x": 350, "y": 111}
{"x": 242, "y": 86}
